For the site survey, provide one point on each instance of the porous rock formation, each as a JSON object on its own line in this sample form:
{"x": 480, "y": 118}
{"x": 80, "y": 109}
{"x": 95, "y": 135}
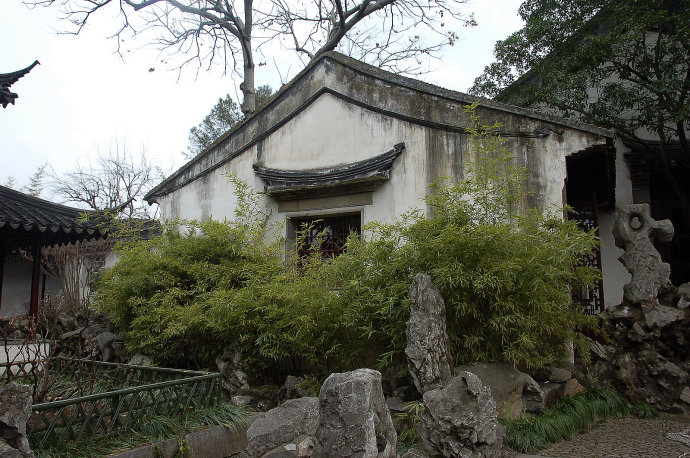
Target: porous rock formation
{"x": 286, "y": 430}
{"x": 231, "y": 367}
{"x": 459, "y": 420}
{"x": 633, "y": 229}
{"x": 428, "y": 354}
{"x": 354, "y": 419}
{"x": 15, "y": 408}
{"x": 513, "y": 391}
{"x": 648, "y": 358}
{"x": 459, "y": 416}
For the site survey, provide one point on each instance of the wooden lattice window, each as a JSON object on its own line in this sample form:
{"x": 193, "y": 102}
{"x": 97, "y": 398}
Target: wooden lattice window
{"x": 585, "y": 214}
{"x": 326, "y": 235}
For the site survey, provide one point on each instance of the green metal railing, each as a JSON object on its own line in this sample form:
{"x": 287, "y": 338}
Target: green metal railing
{"x": 134, "y": 394}
{"x": 15, "y": 370}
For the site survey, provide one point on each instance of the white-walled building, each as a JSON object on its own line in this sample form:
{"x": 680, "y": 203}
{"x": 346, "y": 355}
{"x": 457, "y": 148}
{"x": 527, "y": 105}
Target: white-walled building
{"x": 349, "y": 143}
{"x": 27, "y": 225}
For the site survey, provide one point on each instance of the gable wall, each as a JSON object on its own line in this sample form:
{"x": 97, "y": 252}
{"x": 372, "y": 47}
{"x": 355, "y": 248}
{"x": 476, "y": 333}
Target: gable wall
{"x": 332, "y": 131}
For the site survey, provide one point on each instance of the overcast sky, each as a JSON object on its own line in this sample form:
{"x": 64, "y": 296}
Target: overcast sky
{"x": 83, "y": 97}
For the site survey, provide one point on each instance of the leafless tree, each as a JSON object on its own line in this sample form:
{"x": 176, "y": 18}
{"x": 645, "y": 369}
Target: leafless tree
{"x": 392, "y": 34}
{"x": 117, "y": 179}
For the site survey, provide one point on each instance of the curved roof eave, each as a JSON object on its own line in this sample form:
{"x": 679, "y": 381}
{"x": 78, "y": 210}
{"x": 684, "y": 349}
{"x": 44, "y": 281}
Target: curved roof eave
{"x": 166, "y": 185}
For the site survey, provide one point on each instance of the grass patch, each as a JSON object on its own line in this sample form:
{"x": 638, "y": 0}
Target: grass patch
{"x": 645, "y": 411}
{"x": 153, "y": 428}
{"x": 569, "y": 417}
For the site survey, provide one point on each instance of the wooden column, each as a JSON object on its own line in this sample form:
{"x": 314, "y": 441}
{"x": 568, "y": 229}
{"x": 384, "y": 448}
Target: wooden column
{"x": 2, "y": 272}
{"x": 35, "y": 277}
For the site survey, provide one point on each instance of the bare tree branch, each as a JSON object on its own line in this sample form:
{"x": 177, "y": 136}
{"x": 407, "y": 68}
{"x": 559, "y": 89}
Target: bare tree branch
{"x": 392, "y": 34}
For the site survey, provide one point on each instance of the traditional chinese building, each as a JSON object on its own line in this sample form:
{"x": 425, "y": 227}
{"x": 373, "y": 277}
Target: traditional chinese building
{"x": 346, "y": 143}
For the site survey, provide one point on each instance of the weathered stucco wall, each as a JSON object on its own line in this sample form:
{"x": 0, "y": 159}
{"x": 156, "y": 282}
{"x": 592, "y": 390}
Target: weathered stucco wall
{"x": 16, "y": 287}
{"x": 332, "y": 131}
{"x": 616, "y": 275}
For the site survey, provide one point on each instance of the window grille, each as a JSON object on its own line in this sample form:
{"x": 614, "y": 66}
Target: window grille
{"x": 326, "y": 235}
{"x": 585, "y": 215}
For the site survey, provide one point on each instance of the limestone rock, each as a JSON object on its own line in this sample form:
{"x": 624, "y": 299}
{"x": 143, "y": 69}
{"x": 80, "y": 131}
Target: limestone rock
{"x": 662, "y": 316}
{"x": 683, "y": 294}
{"x": 240, "y": 400}
{"x": 15, "y": 409}
{"x": 92, "y": 331}
{"x": 598, "y": 349}
{"x": 647, "y": 360}
{"x": 552, "y": 393}
{"x": 460, "y": 420}
{"x": 354, "y": 419}
{"x": 427, "y": 350}
{"x": 395, "y": 405}
{"x": 685, "y": 395}
{"x": 632, "y": 231}
{"x": 141, "y": 360}
{"x": 571, "y": 388}
{"x": 6, "y": 451}
{"x": 292, "y": 388}
{"x": 513, "y": 391}
{"x": 230, "y": 366}
{"x": 281, "y": 425}
{"x": 306, "y": 447}
{"x": 108, "y": 344}
{"x": 558, "y": 375}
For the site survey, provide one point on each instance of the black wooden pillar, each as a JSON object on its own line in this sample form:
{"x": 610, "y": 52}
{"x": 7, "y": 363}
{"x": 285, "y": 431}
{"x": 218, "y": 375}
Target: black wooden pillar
{"x": 2, "y": 272}
{"x": 35, "y": 277}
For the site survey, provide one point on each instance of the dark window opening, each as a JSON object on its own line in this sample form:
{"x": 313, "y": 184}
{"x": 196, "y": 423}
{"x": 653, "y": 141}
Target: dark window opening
{"x": 325, "y": 235}
{"x": 666, "y": 205}
{"x": 587, "y": 190}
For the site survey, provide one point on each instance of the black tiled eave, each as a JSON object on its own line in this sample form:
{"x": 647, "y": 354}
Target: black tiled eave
{"x": 21, "y": 238}
{"x": 24, "y": 218}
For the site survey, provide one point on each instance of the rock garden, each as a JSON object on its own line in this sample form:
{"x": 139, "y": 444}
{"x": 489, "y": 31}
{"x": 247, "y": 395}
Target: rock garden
{"x": 450, "y": 334}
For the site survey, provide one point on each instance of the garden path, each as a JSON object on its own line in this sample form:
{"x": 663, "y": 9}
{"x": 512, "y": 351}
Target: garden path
{"x": 626, "y": 437}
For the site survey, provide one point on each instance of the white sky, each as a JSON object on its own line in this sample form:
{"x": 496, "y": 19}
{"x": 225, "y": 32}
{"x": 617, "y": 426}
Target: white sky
{"x": 84, "y": 97}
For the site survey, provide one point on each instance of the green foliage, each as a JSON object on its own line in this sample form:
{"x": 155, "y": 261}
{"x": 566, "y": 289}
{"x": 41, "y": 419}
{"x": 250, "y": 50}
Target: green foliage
{"x": 565, "y": 44}
{"x": 623, "y": 65}
{"x": 223, "y": 117}
{"x": 505, "y": 273}
{"x": 164, "y": 292}
{"x": 570, "y": 416}
{"x": 154, "y": 428}
{"x": 645, "y": 411}
{"x": 410, "y": 418}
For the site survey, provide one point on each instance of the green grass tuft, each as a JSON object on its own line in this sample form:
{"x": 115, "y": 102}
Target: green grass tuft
{"x": 153, "y": 428}
{"x": 569, "y": 417}
{"x": 645, "y": 411}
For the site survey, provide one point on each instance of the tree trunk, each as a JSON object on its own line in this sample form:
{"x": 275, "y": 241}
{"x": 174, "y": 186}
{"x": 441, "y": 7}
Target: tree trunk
{"x": 673, "y": 182}
{"x": 247, "y": 85}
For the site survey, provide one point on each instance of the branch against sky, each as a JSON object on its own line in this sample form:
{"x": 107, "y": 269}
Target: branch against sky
{"x": 398, "y": 35}
{"x": 117, "y": 178}
{"x": 222, "y": 117}
{"x": 623, "y": 65}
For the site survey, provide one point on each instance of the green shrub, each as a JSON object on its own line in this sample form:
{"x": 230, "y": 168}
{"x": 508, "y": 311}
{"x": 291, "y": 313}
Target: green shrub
{"x": 570, "y": 416}
{"x": 645, "y": 411}
{"x": 505, "y": 273}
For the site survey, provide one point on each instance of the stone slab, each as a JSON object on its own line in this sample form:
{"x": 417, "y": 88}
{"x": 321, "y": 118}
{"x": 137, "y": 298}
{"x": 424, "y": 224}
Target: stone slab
{"x": 208, "y": 443}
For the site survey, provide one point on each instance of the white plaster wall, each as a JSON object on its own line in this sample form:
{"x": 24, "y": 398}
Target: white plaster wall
{"x": 615, "y": 274}
{"x": 213, "y": 195}
{"x": 552, "y": 171}
{"x": 16, "y": 287}
{"x": 328, "y": 133}
{"x": 331, "y": 132}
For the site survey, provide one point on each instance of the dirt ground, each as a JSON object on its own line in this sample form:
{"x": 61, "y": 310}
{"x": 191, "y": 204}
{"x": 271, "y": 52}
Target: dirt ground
{"x": 627, "y": 437}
